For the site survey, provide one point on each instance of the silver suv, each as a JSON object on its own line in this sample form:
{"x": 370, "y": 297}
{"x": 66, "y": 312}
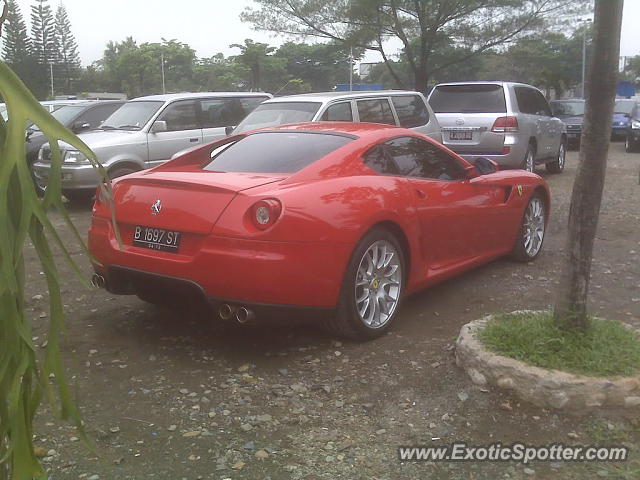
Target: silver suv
{"x": 510, "y": 123}
{"x": 145, "y": 132}
{"x": 392, "y": 107}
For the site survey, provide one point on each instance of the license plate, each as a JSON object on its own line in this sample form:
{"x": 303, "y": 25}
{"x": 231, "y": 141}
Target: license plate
{"x": 156, "y": 238}
{"x": 462, "y": 135}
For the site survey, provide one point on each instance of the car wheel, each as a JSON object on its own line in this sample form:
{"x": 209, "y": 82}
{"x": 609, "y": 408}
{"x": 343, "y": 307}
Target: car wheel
{"x": 79, "y": 197}
{"x": 372, "y": 288}
{"x": 121, "y": 172}
{"x": 557, "y": 166}
{"x": 529, "y": 162}
{"x": 532, "y": 229}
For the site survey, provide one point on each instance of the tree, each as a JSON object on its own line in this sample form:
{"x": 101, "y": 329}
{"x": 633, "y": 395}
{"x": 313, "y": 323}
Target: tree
{"x": 571, "y": 304}
{"x": 259, "y": 60}
{"x": 422, "y": 27}
{"x": 16, "y": 46}
{"x": 43, "y": 40}
{"x": 68, "y": 61}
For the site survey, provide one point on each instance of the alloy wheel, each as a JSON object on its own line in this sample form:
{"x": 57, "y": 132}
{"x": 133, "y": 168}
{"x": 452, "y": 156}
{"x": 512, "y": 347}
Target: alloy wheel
{"x": 562, "y": 157}
{"x": 534, "y": 225}
{"x": 378, "y": 284}
{"x": 528, "y": 161}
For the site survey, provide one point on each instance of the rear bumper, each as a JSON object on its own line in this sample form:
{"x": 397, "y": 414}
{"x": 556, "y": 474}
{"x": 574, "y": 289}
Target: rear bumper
{"x": 297, "y": 274}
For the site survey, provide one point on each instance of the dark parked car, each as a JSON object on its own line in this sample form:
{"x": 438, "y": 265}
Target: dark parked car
{"x": 632, "y": 138}
{"x": 571, "y": 112}
{"x": 621, "y": 118}
{"x": 78, "y": 117}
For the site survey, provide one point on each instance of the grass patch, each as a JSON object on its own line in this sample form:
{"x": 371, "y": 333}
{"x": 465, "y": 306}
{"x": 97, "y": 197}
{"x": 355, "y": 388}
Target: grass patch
{"x": 607, "y": 348}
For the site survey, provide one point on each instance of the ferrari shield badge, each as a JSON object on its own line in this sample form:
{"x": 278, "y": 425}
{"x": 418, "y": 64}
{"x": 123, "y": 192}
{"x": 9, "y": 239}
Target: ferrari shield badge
{"x": 156, "y": 207}
{"x": 519, "y": 188}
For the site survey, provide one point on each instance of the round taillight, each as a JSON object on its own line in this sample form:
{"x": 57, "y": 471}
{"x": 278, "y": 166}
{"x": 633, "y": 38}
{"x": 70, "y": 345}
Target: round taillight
{"x": 265, "y": 213}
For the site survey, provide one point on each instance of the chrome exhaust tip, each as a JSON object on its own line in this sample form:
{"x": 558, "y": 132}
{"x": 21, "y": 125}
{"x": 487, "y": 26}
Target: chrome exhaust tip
{"x": 226, "y": 311}
{"x": 98, "y": 281}
{"x": 244, "y": 315}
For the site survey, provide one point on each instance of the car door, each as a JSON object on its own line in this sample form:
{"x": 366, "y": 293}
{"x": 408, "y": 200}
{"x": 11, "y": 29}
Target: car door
{"x": 183, "y": 131}
{"x": 553, "y": 127}
{"x": 459, "y": 220}
{"x": 219, "y": 113}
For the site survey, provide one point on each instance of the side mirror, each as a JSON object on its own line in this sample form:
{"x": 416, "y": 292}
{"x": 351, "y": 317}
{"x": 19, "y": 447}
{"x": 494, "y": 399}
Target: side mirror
{"x": 159, "y": 126}
{"x": 485, "y": 166}
{"x": 80, "y": 126}
{"x": 471, "y": 172}
{"x": 228, "y": 130}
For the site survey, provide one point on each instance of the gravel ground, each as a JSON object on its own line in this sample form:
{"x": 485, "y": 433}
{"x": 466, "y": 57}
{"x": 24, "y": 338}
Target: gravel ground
{"x": 177, "y": 395}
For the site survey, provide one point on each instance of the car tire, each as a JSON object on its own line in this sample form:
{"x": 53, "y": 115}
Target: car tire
{"x": 630, "y": 145}
{"x": 532, "y": 229}
{"x": 529, "y": 161}
{"x": 557, "y": 166}
{"x": 356, "y": 317}
{"x": 121, "y": 172}
{"x": 79, "y": 197}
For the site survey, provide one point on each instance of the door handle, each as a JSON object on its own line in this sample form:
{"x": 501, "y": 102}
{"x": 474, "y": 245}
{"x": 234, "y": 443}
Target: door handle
{"x": 420, "y": 193}
{"x": 193, "y": 140}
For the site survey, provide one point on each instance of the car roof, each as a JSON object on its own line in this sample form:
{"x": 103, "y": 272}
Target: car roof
{"x": 489, "y": 82}
{"x": 348, "y": 128}
{"x": 185, "y": 96}
{"x": 327, "y": 96}
{"x": 91, "y": 103}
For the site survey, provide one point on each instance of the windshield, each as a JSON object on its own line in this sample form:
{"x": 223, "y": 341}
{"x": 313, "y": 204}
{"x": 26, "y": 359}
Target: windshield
{"x": 624, "y": 106}
{"x": 132, "y": 115}
{"x": 567, "y": 109}
{"x": 272, "y": 114}
{"x": 468, "y": 99}
{"x": 275, "y": 152}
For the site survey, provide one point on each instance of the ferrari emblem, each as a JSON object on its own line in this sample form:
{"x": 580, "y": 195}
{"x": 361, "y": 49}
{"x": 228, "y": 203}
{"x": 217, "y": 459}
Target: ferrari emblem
{"x": 519, "y": 187}
{"x": 156, "y": 207}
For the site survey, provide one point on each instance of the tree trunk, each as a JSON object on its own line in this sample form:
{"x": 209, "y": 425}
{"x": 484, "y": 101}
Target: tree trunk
{"x": 571, "y": 303}
{"x": 420, "y": 79}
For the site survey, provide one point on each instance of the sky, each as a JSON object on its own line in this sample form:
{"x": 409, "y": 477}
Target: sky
{"x": 208, "y": 26}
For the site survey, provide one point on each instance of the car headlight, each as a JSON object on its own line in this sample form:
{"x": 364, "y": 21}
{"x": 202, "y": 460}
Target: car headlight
{"x": 74, "y": 156}
{"x": 635, "y": 124}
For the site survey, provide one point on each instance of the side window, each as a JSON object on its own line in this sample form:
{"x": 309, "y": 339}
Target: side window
{"x": 96, "y": 115}
{"x": 413, "y": 157}
{"x": 376, "y": 111}
{"x": 411, "y": 110}
{"x": 338, "y": 112}
{"x": 180, "y": 116}
{"x": 221, "y": 112}
{"x": 542, "y": 106}
{"x": 526, "y": 101}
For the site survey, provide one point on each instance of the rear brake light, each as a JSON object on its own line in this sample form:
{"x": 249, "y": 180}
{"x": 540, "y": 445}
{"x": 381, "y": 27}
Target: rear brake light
{"x": 265, "y": 213}
{"x": 505, "y": 125}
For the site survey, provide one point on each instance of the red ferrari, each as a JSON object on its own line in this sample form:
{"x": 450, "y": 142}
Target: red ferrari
{"x": 340, "y": 216}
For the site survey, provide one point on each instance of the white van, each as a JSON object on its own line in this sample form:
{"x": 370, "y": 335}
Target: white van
{"x": 146, "y": 132}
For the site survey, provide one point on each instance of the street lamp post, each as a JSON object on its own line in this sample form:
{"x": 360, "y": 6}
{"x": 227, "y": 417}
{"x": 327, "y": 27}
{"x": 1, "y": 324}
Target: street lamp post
{"x": 164, "y": 88}
{"x": 584, "y": 52}
{"x": 53, "y": 95}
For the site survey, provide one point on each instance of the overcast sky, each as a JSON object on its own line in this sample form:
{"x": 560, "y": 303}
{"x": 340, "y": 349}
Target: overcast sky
{"x": 208, "y": 26}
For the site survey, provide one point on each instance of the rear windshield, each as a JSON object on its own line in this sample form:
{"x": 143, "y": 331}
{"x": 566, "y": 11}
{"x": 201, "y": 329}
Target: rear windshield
{"x": 276, "y": 152}
{"x": 567, "y": 109}
{"x": 468, "y": 99}
{"x": 278, "y": 113}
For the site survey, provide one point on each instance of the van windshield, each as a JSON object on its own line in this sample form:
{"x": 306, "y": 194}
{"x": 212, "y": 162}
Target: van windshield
{"x": 278, "y": 113}
{"x": 132, "y": 115}
{"x": 468, "y": 99}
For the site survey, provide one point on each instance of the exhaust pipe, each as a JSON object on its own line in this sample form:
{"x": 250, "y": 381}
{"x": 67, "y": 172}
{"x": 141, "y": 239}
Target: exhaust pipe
{"x": 244, "y": 315}
{"x": 98, "y": 281}
{"x": 226, "y": 311}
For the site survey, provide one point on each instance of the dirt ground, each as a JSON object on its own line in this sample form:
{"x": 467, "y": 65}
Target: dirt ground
{"x": 177, "y": 395}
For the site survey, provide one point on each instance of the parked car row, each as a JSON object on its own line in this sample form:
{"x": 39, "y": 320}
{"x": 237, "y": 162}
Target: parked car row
{"x": 508, "y": 123}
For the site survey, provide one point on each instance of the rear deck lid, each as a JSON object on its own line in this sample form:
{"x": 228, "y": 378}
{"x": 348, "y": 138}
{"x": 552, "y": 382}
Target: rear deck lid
{"x": 181, "y": 201}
